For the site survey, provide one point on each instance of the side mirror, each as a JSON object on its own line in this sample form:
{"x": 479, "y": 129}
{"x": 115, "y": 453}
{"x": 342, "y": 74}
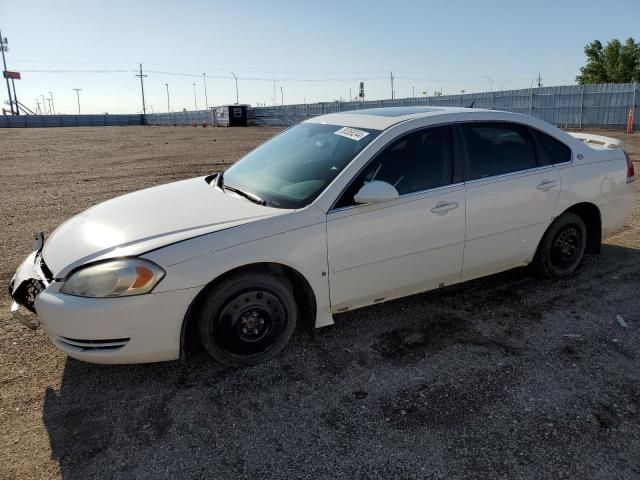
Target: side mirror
{"x": 376, "y": 191}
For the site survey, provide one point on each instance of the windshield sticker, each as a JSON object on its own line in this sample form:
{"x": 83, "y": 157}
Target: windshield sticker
{"x": 352, "y": 133}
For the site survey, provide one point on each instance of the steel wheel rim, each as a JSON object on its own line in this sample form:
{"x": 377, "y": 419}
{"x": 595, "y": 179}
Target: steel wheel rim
{"x": 566, "y": 247}
{"x": 250, "y": 323}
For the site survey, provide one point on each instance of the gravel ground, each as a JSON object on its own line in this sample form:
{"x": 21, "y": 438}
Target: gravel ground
{"x": 504, "y": 377}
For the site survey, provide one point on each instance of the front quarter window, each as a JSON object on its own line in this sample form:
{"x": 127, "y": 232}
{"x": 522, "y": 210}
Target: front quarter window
{"x": 293, "y": 168}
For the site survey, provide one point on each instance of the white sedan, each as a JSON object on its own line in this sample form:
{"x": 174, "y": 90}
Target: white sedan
{"x": 336, "y": 213}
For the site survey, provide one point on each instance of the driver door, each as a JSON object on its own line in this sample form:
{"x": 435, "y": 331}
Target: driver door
{"x": 403, "y": 246}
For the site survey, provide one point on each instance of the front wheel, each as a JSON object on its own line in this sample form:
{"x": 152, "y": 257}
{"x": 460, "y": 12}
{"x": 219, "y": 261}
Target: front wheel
{"x": 247, "y": 319}
{"x": 562, "y": 248}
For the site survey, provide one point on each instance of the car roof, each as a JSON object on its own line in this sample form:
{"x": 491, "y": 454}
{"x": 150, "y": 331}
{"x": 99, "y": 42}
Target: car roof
{"x": 385, "y": 117}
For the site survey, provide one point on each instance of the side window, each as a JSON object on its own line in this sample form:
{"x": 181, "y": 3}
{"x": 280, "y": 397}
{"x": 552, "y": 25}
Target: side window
{"x": 495, "y": 148}
{"x": 553, "y": 151}
{"x": 418, "y": 161}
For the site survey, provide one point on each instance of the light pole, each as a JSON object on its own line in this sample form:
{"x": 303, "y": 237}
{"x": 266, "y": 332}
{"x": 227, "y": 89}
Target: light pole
{"x": 281, "y": 96}
{"x": 38, "y": 106}
{"x": 195, "y": 98}
{"x": 78, "y": 90}
{"x": 44, "y": 105}
{"x": 4, "y": 46}
{"x": 206, "y": 100}
{"x": 52, "y": 105}
{"x": 236, "y": 79}
{"x": 490, "y": 82}
{"x": 168, "y": 107}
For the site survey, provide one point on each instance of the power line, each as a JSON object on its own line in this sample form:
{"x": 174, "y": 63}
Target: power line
{"x": 200, "y": 68}
{"x": 221, "y": 77}
{"x": 79, "y": 71}
{"x": 322, "y": 76}
{"x": 262, "y": 79}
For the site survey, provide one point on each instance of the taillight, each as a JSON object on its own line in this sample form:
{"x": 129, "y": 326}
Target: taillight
{"x": 631, "y": 176}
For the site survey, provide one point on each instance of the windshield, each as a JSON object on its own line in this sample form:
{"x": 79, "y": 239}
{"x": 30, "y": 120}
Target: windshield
{"x": 293, "y": 168}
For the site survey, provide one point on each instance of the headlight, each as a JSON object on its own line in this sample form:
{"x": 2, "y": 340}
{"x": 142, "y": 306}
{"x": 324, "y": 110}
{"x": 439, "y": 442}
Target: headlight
{"x": 115, "y": 278}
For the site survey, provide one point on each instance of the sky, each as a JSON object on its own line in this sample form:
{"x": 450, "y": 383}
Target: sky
{"x": 315, "y": 51}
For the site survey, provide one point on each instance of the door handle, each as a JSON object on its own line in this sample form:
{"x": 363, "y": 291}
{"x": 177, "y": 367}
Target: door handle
{"x": 444, "y": 207}
{"x": 547, "y": 185}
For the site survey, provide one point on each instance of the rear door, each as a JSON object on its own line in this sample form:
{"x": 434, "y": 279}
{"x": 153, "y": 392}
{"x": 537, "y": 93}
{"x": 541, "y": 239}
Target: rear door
{"x": 386, "y": 250}
{"x": 510, "y": 196}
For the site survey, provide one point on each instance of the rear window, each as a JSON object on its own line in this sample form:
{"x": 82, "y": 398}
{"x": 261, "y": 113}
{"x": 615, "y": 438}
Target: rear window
{"x": 552, "y": 150}
{"x": 496, "y": 148}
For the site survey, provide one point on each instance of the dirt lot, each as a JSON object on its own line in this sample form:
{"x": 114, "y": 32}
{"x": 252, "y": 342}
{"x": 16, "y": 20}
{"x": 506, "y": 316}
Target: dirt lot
{"x": 505, "y": 377}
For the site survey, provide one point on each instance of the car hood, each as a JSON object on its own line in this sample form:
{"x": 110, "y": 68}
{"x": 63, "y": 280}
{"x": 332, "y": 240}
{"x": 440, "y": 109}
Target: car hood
{"x": 145, "y": 220}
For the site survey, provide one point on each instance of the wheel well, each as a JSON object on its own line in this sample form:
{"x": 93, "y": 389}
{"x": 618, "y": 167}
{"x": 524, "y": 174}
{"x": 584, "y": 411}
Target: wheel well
{"x": 302, "y": 292}
{"x": 590, "y": 215}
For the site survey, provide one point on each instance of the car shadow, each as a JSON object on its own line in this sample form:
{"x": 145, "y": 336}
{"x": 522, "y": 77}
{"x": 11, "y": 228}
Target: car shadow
{"x": 340, "y": 404}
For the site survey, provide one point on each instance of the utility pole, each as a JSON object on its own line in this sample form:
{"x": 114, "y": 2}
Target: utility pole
{"x": 539, "y": 80}
{"x": 144, "y": 108}
{"x": 195, "y": 98}
{"x": 78, "y": 90}
{"x": 168, "y": 107}
{"x": 281, "y": 95}
{"x": 392, "y": 94}
{"x": 4, "y": 46}
{"x": 52, "y": 105}
{"x": 15, "y": 96}
{"x": 235, "y": 77}
{"x": 206, "y": 100}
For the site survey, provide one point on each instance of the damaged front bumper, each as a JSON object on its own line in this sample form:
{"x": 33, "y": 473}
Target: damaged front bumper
{"x": 30, "y": 279}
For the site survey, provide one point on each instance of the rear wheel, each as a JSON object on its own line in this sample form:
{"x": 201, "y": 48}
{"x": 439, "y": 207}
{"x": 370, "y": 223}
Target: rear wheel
{"x": 562, "y": 247}
{"x": 247, "y": 319}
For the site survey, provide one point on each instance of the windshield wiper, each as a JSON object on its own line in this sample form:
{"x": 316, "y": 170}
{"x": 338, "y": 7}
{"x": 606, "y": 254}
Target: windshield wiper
{"x": 248, "y": 195}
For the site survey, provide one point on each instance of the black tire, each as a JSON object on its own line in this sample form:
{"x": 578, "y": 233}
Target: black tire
{"x": 247, "y": 319}
{"x": 562, "y": 248}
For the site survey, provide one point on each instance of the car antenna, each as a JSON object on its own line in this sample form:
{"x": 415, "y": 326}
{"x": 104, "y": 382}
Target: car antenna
{"x": 472, "y": 104}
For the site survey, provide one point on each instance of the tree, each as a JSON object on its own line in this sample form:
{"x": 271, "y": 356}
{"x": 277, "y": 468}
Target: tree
{"x": 614, "y": 63}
